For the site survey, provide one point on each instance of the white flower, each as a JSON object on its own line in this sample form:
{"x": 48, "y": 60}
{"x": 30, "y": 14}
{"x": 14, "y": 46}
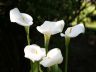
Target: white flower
{"x": 34, "y": 52}
{"x": 20, "y": 18}
{"x": 53, "y": 57}
{"x": 74, "y": 31}
{"x": 49, "y": 27}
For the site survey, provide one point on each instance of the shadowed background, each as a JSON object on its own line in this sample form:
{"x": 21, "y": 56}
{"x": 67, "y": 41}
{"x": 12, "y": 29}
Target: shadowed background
{"x": 82, "y": 51}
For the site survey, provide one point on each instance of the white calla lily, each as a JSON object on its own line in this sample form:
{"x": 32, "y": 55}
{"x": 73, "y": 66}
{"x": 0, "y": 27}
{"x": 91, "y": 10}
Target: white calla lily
{"x": 20, "y": 18}
{"x": 49, "y": 27}
{"x": 53, "y": 57}
{"x": 34, "y": 52}
{"x": 74, "y": 31}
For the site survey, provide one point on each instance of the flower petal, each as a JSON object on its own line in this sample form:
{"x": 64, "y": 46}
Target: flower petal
{"x": 49, "y": 27}
{"x": 27, "y": 18}
{"x": 20, "y": 18}
{"x": 75, "y": 30}
{"x": 34, "y": 52}
{"x": 15, "y": 15}
{"x": 43, "y": 52}
{"x": 53, "y": 57}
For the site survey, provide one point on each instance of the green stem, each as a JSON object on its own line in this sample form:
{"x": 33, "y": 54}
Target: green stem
{"x": 31, "y": 63}
{"x": 27, "y": 28}
{"x": 40, "y": 68}
{"x": 46, "y": 41}
{"x": 67, "y": 41}
{"x": 54, "y": 68}
{"x": 36, "y": 67}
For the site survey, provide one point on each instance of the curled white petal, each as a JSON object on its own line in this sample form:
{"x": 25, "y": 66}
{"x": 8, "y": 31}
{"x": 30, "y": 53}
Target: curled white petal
{"x": 49, "y": 27}
{"x": 20, "y": 18}
{"x": 74, "y": 31}
{"x": 34, "y": 52}
{"x": 27, "y": 18}
{"x": 53, "y": 57}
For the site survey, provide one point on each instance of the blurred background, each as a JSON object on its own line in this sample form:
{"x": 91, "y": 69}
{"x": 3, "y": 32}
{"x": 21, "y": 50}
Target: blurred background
{"x": 82, "y": 51}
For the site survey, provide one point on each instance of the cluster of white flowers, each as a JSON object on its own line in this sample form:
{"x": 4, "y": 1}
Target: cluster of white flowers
{"x": 35, "y": 52}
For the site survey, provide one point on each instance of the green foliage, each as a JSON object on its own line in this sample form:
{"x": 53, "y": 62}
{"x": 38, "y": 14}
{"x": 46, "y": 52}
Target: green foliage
{"x": 87, "y": 15}
{"x": 42, "y": 10}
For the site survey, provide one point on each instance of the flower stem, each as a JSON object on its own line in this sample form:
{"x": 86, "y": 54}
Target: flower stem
{"x": 31, "y": 63}
{"x": 67, "y": 41}
{"x": 40, "y": 70}
{"x": 46, "y": 41}
{"x": 36, "y": 67}
{"x": 27, "y": 28}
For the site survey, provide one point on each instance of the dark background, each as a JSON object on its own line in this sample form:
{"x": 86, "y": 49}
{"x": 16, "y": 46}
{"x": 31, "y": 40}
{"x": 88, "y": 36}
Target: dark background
{"x": 82, "y": 51}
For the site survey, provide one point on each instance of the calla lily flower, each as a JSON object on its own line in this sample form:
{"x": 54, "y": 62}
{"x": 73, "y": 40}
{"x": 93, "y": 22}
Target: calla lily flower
{"x": 51, "y": 28}
{"x": 22, "y": 19}
{"x": 34, "y": 52}
{"x": 53, "y": 57}
{"x": 74, "y": 31}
